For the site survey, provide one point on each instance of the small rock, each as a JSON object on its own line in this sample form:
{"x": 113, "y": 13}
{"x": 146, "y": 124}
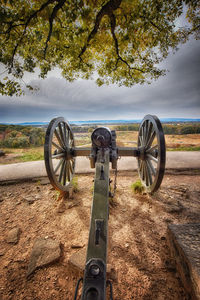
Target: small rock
{"x": 71, "y": 192}
{"x": 77, "y": 246}
{"x": 126, "y": 245}
{"x": 78, "y": 259}
{"x": 2, "y": 252}
{"x": 13, "y": 236}
{"x": 61, "y": 207}
{"x": 44, "y": 252}
{"x": 44, "y": 181}
{"x": 174, "y": 209}
{"x": 73, "y": 204}
{"x": 31, "y": 199}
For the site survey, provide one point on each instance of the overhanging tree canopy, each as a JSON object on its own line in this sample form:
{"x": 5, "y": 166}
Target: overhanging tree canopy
{"x": 120, "y": 40}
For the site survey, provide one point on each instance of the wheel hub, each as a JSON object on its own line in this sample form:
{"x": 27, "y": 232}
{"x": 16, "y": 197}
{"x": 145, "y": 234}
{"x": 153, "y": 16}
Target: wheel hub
{"x": 142, "y": 152}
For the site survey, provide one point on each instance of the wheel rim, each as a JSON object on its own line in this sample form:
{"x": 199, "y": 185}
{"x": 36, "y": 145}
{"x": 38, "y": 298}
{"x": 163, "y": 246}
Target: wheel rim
{"x": 58, "y": 153}
{"x": 151, "y": 145}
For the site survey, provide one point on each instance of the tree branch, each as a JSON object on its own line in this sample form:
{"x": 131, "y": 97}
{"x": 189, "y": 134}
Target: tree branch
{"x": 106, "y": 9}
{"x": 43, "y": 6}
{"x": 119, "y": 58}
{"x": 11, "y": 26}
{"x": 51, "y": 19}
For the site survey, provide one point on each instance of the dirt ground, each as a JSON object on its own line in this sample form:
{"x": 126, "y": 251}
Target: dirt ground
{"x": 141, "y": 266}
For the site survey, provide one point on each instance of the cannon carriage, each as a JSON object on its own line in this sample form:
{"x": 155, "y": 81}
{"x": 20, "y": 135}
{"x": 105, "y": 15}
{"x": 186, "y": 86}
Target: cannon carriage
{"x": 60, "y": 155}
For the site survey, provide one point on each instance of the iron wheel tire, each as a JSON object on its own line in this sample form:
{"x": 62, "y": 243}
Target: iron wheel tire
{"x": 59, "y": 145}
{"x": 151, "y": 145}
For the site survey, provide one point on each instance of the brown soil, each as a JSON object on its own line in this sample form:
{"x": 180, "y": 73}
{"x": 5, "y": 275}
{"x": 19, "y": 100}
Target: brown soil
{"x": 141, "y": 266}
{"x": 10, "y": 158}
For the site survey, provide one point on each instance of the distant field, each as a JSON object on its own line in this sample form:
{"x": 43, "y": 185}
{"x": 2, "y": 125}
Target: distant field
{"x": 185, "y": 142}
{"x": 174, "y": 142}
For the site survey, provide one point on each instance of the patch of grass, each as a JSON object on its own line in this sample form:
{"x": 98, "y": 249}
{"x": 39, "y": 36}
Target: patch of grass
{"x": 32, "y": 155}
{"x": 58, "y": 195}
{"x": 75, "y": 184}
{"x": 184, "y": 149}
{"x": 137, "y": 187}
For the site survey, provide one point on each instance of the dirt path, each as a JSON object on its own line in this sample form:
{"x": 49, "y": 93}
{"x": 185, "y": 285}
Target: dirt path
{"x": 138, "y": 251}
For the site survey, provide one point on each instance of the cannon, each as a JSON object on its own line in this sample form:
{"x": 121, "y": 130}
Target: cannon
{"x": 60, "y": 155}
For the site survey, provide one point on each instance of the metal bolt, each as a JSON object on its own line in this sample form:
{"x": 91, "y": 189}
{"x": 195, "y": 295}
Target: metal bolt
{"x": 94, "y": 270}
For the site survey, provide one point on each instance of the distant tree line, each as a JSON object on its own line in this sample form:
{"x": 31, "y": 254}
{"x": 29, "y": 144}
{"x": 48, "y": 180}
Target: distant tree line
{"x": 130, "y": 127}
{"x": 167, "y": 128}
{"x": 82, "y": 129}
{"x": 181, "y": 129}
{"x": 17, "y": 136}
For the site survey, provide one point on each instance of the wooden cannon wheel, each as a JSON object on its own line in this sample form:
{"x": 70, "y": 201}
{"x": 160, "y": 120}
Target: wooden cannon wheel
{"x": 58, "y": 153}
{"x": 151, "y": 160}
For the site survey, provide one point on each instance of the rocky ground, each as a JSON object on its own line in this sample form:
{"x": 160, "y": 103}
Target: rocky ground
{"x": 39, "y": 232}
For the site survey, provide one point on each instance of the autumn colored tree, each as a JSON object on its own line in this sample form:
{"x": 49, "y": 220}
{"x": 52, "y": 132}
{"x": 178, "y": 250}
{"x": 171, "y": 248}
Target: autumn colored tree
{"x": 121, "y": 41}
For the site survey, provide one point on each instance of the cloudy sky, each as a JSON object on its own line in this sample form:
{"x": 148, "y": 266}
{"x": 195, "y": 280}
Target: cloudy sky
{"x": 175, "y": 95}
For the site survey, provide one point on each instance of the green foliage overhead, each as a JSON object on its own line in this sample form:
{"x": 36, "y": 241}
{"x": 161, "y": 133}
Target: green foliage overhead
{"x": 120, "y": 40}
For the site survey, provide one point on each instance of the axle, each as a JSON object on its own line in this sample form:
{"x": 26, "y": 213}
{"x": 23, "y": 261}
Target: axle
{"x": 121, "y": 151}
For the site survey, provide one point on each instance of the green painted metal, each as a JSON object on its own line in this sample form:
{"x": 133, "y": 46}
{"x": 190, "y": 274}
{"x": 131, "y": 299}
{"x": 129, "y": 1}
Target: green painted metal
{"x": 99, "y": 207}
{"x": 94, "y": 282}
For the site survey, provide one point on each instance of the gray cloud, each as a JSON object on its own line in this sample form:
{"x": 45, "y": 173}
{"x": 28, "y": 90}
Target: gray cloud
{"x": 175, "y": 95}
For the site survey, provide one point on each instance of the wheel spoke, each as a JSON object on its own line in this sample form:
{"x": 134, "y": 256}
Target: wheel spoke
{"x": 73, "y": 164}
{"x": 65, "y": 133}
{"x": 140, "y": 138}
{"x": 140, "y": 165}
{"x": 150, "y": 127}
{"x": 150, "y": 150}
{"x": 59, "y": 155}
{"x": 146, "y": 132}
{"x": 153, "y": 171}
{"x": 58, "y": 147}
{"x": 68, "y": 173}
{"x": 146, "y": 178}
{"x": 150, "y": 141}
{"x": 61, "y": 171}
{"x": 59, "y": 139}
{"x": 142, "y": 135}
{"x": 70, "y": 138}
{"x": 61, "y": 134}
{"x": 70, "y": 167}
{"x": 58, "y": 165}
{"x": 142, "y": 169}
{"x": 152, "y": 158}
{"x": 149, "y": 172}
{"x": 64, "y": 174}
